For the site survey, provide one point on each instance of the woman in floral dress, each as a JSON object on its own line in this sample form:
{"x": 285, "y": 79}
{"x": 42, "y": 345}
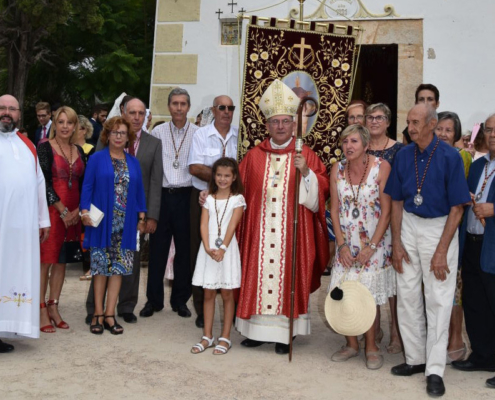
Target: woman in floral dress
{"x": 361, "y": 214}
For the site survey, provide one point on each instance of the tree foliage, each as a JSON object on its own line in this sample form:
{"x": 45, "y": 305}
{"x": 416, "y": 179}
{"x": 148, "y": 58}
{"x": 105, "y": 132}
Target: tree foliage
{"x": 76, "y": 52}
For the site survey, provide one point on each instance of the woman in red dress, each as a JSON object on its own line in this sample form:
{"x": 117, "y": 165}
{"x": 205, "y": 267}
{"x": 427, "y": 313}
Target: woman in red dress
{"x": 62, "y": 163}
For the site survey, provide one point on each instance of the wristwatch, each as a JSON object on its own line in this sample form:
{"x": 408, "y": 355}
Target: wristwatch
{"x": 223, "y": 247}
{"x": 373, "y": 246}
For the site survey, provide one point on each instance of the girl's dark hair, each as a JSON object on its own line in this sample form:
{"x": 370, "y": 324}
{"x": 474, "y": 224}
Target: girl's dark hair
{"x": 236, "y": 187}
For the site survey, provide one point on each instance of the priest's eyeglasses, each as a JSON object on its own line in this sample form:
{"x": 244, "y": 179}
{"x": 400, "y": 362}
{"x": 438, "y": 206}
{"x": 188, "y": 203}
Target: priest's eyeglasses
{"x": 378, "y": 118}
{"x": 118, "y": 133}
{"x": 223, "y": 108}
{"x": 11, "y": 109}
{"x": 284, "y": 122}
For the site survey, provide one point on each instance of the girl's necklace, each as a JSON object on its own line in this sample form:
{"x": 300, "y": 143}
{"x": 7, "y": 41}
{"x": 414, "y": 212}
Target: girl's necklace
{"x": 219, "y": 240}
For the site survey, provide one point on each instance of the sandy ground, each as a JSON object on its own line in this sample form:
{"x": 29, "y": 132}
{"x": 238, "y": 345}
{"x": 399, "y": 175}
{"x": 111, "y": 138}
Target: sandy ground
{"x": 152, "y": 360}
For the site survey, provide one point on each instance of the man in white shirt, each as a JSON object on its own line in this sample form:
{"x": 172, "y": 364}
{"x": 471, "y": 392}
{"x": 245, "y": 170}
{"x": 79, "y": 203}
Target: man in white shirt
{"x": 176, "y": 138}
{"x": 211, "y": 142}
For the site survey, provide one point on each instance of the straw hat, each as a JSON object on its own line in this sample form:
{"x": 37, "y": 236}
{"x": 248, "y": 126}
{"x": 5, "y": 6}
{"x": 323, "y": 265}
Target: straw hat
{"x": 354, "y": 313}
{"x": 279, "y": 99}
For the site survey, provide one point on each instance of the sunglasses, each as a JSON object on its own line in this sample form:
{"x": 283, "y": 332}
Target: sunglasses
{"x": 223, "y": 108}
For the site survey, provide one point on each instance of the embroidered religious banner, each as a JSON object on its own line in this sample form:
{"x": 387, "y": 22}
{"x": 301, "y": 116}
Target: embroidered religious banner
{"x": 311, "y": 63}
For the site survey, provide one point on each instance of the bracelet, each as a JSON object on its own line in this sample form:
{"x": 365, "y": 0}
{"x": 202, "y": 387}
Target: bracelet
{"x": 142, "y": 219}
{"x": 64, "y": 213}
{"x": 223, "y": 247}
{"x": 84, "y": 214}
{"x": 341, "y": 247}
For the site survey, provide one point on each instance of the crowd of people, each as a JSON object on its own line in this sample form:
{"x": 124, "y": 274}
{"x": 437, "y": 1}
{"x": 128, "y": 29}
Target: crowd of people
{"x": 413, "y": 222}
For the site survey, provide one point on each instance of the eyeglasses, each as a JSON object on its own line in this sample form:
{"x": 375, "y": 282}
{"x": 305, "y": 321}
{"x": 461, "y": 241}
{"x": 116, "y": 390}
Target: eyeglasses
{"x": 378, "y": 118}
{"x": 11, "y": 109}
{"x": 118, "y": 133}
{"x": 356, "y": 118}
{"x": 284, "y": 122}
{"x": 223, "y": 108}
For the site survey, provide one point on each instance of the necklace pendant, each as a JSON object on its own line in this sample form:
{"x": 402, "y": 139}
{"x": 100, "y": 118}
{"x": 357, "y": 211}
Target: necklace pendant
{"x": 218, "y": 242}
{"x": 70, "y": 184}
{"x": 418, "y": 200}
{"x": 478, "y": 196}
{"x": 176, "y": 164}
{"x": 355, "y": 213}
{"x": 119, "y": 189}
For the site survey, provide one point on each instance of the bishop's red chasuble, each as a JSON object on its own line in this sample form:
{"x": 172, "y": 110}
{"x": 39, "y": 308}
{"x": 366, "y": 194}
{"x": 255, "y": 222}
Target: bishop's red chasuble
{"x": 266, "y": 231}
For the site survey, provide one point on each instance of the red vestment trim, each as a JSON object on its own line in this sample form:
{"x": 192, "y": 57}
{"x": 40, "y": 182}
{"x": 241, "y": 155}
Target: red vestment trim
{"x": 29, "y": 144}
{"x": 312, "y": 255}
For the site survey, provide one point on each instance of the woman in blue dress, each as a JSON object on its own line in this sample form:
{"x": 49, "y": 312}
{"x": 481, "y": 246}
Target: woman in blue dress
{"x": 113, "y": 183}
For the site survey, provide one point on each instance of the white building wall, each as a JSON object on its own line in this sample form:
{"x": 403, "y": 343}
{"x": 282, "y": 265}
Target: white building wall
{"x": 458, "y": 37}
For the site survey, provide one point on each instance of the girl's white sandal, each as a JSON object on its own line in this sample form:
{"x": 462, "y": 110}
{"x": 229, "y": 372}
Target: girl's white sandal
{"x": 202, "y": 348}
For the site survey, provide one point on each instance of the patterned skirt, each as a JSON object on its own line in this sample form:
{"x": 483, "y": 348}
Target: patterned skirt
{"x": 114, "y": 260}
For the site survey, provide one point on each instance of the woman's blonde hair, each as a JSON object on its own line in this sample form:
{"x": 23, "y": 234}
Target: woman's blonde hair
{"x": 71, "y": 116}
{"x": 364, "y": 134}
{"x": 84, "y": 122}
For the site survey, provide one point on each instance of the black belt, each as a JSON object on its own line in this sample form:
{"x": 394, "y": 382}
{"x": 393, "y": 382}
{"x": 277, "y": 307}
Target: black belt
{"x": 474, "y": 238}
{"x": 176, "y": 190}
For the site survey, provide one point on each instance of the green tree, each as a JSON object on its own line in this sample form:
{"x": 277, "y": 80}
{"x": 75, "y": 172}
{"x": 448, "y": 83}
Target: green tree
{"x": 100, "y": 50}
{"x": 25, "y": 23}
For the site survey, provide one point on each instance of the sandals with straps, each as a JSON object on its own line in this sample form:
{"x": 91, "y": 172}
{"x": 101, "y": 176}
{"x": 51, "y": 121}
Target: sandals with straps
{"x": 114, "y": 329}
{"x": 62, "y": 324}
{"x": 199, "y": 346}
{"x": 221, "y": 350}
{"x": 47, "y": 328}
{"x": 96, "y": 328}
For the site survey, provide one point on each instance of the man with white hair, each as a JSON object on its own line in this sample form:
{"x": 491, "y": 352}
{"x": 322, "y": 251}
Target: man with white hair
{"x": 268, "y": 173}
{"x": 427, "y": 206}
{"x": 24, "y": 223}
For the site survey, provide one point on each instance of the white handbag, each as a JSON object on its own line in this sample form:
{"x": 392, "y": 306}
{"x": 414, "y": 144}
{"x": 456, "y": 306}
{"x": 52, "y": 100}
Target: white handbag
{"x": 96, "y": 215}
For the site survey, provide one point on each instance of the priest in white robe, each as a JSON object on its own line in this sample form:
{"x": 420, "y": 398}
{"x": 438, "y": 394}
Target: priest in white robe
{"x": 24, "y": 223}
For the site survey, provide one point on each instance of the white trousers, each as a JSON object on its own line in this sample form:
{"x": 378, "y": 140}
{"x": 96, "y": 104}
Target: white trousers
{"x": 420, "y": 237}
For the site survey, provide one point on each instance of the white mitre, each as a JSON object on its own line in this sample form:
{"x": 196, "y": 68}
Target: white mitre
{"x": 279, "y": 99}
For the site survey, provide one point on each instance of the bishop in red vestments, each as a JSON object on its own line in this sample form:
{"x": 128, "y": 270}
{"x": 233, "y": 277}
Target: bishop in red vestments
{"x": 266, "y": 231}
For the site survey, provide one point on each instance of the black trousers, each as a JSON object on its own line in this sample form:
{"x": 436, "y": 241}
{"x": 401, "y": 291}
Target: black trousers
{"x": 129, "y": 291}
{"x": 478, "y": 299}
{"x": 174, "y": 222}
{"x": 196, "y": 209}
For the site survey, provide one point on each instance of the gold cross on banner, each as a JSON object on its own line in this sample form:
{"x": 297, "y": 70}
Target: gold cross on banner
{"x": 302, "y": 57}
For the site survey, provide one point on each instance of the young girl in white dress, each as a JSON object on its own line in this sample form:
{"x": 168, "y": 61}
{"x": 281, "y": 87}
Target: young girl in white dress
{"x": 219, "y": 264}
